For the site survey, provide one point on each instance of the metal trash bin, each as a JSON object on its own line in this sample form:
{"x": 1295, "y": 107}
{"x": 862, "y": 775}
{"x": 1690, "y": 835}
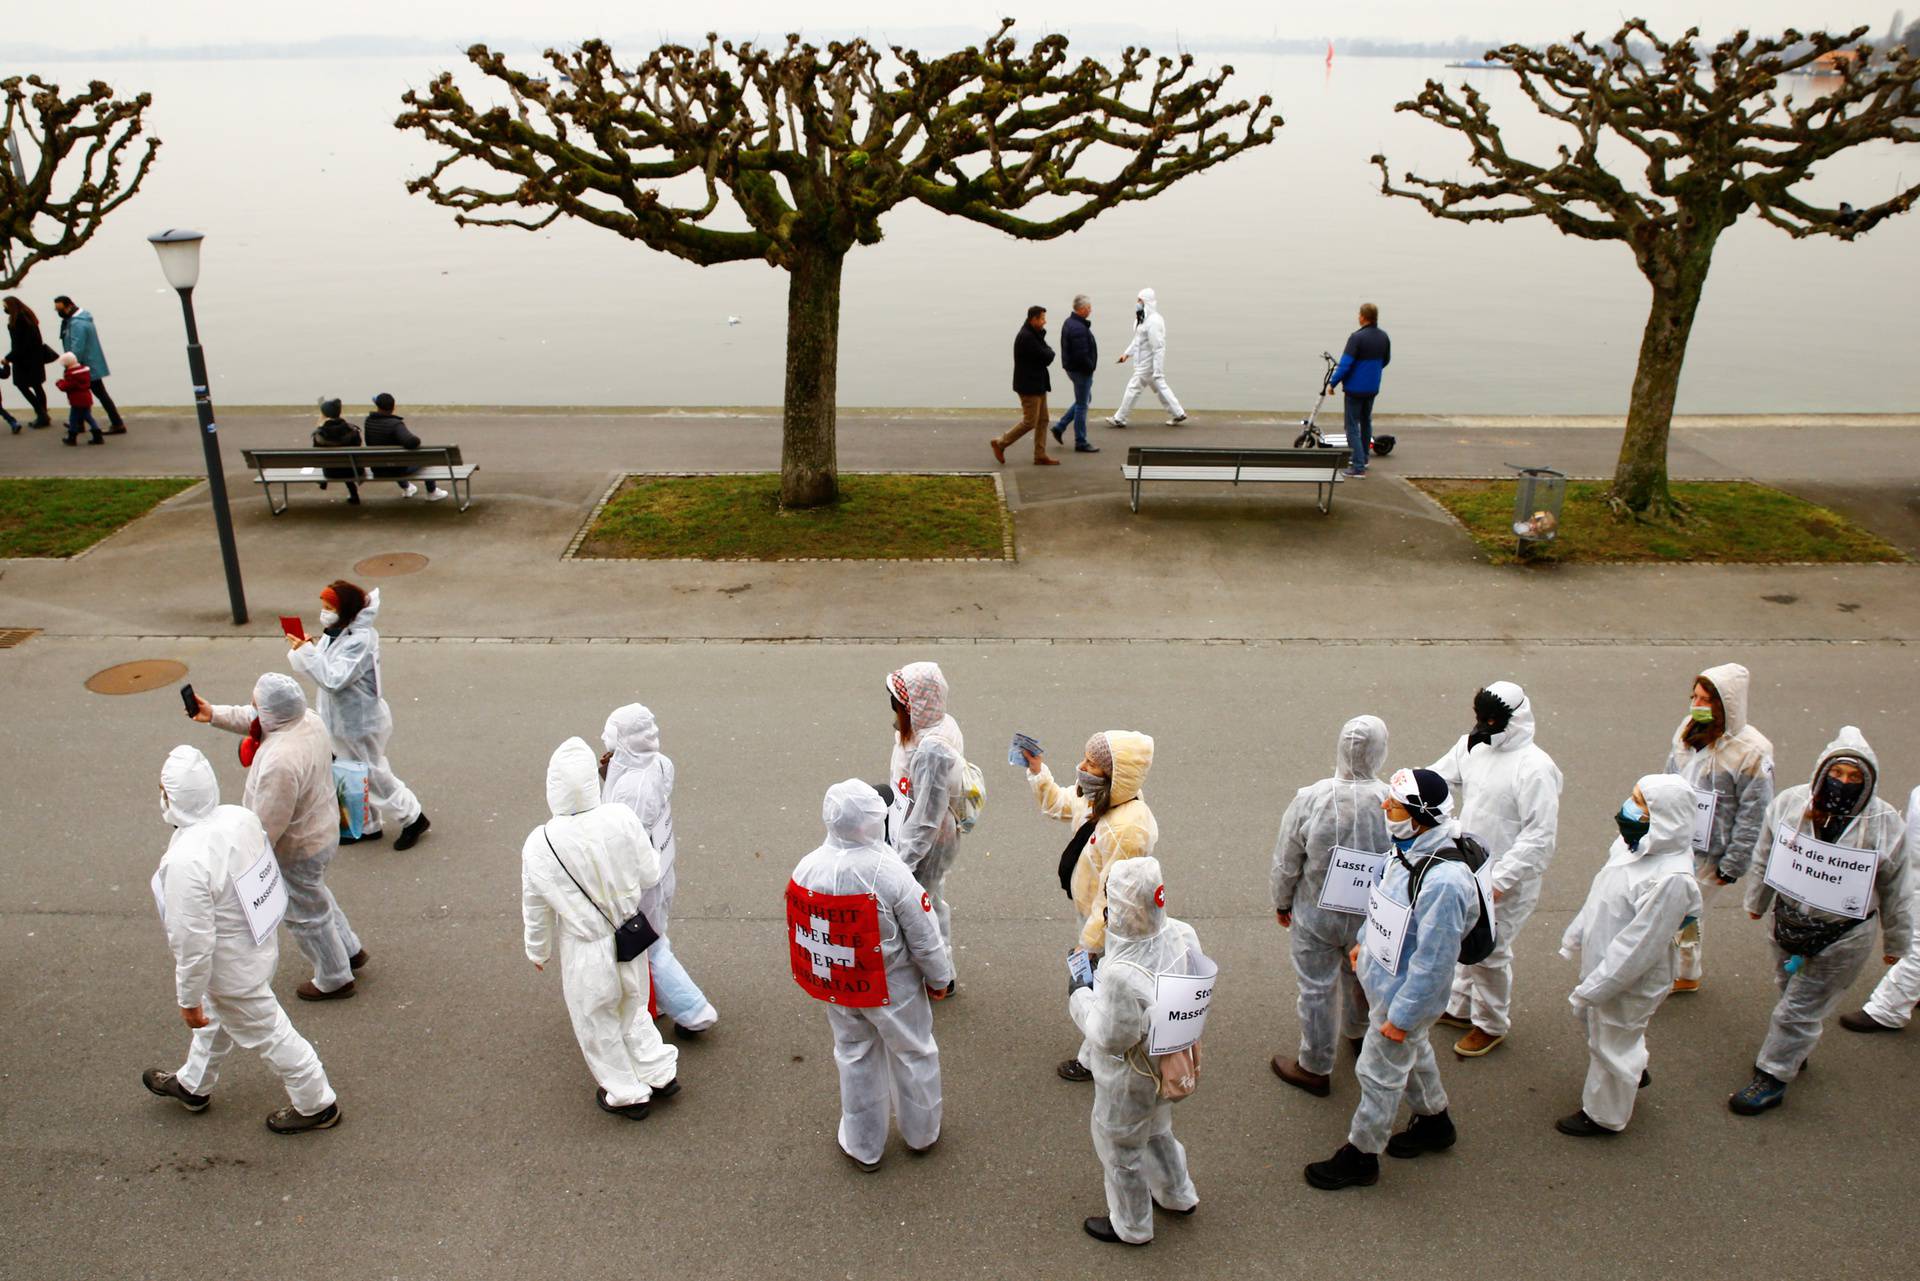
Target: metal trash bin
{"x": 1536, "y": 505}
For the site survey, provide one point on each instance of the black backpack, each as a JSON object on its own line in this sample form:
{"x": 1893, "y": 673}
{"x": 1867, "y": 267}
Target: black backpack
{"x": 1477, "y": 944}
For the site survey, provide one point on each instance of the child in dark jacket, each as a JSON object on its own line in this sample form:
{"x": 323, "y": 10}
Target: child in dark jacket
{"x": 77, "y": 381}
{"x": 335, "y": 432}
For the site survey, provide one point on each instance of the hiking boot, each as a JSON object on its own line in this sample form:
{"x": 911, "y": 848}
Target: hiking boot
{"x": 412, "y": 832}
{"x": 167, "y": 1086}
{"x": 1423, "y": 1134}
{"x": 1450, "y": 1019}
{"x": 357, "y": 960}
{"x": 1101, "y": 1229}
{"x": 1763, "y": 1092}
{"x": 1290, "y": 1071}
{"x": 1685, "y": 985}
{"x": 866, "y": 1167}
{"x": 631, "y": 1111}
{"x": 290, "y": 1120}
{"x": 1864, "y": 1022}
{"x": 308, "y": 992}
{"x": 1074, "y": 1070}
{"x": 1476, "y": 1043}
{"x": 1347, "y": 1168}
{"x": 999, "y": 450}
{"x": 1582, "y": 1126}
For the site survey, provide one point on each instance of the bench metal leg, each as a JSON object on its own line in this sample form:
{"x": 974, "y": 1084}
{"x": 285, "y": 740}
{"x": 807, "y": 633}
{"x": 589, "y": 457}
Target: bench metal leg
{"x": 1135, "y": 502}
{"x": 469, "y": 498}
{"x": 1325, "y": 493}
{"x": 285, "y": 500}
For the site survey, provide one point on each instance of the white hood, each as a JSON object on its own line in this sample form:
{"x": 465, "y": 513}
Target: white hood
{"x": 193, "y": 793}
{"x": 573, "y": 778}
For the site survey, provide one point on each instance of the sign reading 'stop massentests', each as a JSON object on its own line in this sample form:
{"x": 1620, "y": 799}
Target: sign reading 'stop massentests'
{"x": 1350, "y": 874}
{"x": 1833, "y": 878}
{"x": 263, "y": 897}
{"x": 1180, "y": 1003}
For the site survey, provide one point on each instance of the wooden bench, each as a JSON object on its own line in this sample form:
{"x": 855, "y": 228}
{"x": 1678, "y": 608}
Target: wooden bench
{"x": 1320, "y": 468}
{"x": 288, "y": 467}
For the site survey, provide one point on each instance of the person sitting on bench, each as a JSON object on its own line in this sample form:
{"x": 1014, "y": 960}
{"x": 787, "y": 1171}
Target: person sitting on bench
{"x": 384, "y": 427}
{"x": 335, "y": 432}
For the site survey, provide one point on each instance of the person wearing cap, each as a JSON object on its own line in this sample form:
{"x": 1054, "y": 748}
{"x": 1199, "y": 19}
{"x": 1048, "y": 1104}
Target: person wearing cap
{"x": 1508, "y": 793}
{"x": 1110, "y": 820}
{"x": 288, "y": 756}
{"x": 929, "y": 753}
{"x": 222, "y": 974}
{"x": 79, "y": 335}
{"x": 344, "y": 661}
{"x": 1405, "y": 999}
{"x": 335, "y": 432}
{"x": 388, "y": 429}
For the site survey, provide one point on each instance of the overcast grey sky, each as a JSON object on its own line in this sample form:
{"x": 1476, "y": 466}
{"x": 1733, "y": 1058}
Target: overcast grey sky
{"x": 115, "y": 23}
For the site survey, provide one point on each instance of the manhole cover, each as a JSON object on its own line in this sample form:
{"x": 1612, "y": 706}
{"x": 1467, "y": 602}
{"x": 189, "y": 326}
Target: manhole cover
{"x": 11, "y": 636}
{"x": 391, "y": 564}
{"x": 137, "y": 677}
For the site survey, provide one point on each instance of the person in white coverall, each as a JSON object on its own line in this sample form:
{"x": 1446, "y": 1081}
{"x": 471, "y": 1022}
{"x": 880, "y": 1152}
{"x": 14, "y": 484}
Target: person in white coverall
{"x": 1508, "y": 793}
{"x": 1132, "y": 1125}
{"x": 223, "y": 980}
{"x": 1890, "y": 1008}
{"x": 925, "y": 771}
{"x": 344, "y": 661}
{"x": 1817, "y": 954}
{"x": 1148, "y": 352}
{"x": 1342, "y": 812}
{"x": 889, "y": 1064}
{"x": 582, "y": 874}
{"x": 1729, "y": 765}
{"x": 640, "y": 777}
{"x": 288, "y": 757}
{"x": 1623, "y": 940}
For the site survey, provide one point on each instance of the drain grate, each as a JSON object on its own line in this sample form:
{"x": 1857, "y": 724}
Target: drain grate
{"x": 391, "y": 564}
{"x": 12, "y": 636}
{"x": 136, "y": 677}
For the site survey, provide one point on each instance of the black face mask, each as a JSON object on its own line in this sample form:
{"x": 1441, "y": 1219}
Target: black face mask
{"x": 1490, "y": 716}
{"x": 1837, "y": 798}
{"x": 1632, "y": 831}
{"x": 1139, "y": 315}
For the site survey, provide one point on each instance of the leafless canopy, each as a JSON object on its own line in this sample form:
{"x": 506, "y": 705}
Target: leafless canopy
{"x": 66, "y": 168}
{"x": 815, "y": 145}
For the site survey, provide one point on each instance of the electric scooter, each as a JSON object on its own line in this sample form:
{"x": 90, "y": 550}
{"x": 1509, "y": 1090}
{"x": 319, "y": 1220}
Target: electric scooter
{"x": 1311, "y": 437}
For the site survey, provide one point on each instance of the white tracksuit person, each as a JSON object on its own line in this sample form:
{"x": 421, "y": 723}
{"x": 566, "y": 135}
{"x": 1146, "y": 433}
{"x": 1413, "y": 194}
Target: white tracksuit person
{"x": 640, "y": 777}
{"x": 1729, "y": 764}
{"x": 1826, "y": 949}
{"x": 223, "y": 979}
{"x": 1340, "y": 813}
{"x": 925, "y": 770}
{"x": 582, "y": 873}
{"x": 1148, "y": 352}
{"x": 1890, "y": 1008}
{"x": 1132, "y": 1124}
{"x": 344, "y": 661}
{"x": 1622, "y": 939}
{"x": 889, "y": 1064}
{"x": 1508, "y": 793}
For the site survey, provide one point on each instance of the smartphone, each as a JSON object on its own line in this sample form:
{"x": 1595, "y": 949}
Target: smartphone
{"x": 192, "y": 701}
{"x": 291, "y": 626}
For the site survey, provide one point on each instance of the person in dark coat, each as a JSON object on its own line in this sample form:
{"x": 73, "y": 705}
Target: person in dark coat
{"x": 79, "y": 335}
{"x": 1031, "y": 382}
{"x": 384, "y": 427}
{"x": 335, "y": 432}
{"x": 1079, "y": 357}
{"x": 27, "y": 358}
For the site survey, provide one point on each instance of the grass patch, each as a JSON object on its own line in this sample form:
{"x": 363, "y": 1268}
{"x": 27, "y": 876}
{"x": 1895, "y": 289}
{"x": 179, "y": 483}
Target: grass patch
{"x": 63, "y": 516}
{"x": 740, "y": 518}
{"x": 1729, "y": 523}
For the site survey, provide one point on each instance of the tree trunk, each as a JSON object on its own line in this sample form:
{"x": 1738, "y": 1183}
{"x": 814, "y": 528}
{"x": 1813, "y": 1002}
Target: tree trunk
{"x": 809, "y": 471}
{"x": 1640, "y": 477}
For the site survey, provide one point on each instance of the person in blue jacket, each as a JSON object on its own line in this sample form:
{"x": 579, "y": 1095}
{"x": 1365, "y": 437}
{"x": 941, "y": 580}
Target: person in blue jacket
{"x": 1079, "y": 357}
{"x": 1404, "y": 999}
{"x": 1368, "y": 352}
{"x": 79, "y": 335}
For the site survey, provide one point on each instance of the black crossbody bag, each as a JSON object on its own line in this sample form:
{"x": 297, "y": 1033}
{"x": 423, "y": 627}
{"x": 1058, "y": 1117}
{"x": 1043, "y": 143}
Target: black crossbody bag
{"x": 633, "y": 936}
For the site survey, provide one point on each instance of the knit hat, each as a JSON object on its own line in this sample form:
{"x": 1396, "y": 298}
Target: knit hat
{"x": 68, "y": 360}
{"x": 1101, "y": 753}
{"x": 1423, "y": 793}
{"x": 329, "y": 406}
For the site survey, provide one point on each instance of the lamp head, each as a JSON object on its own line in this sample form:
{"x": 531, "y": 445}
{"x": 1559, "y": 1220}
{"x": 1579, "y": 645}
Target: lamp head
{"x": 179, "y": 252}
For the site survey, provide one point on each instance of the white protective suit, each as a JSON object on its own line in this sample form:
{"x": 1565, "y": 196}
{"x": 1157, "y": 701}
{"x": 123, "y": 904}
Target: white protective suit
{"x": 1508, "y": 793}
{"x": 1895, "y": 996}
{"x": 1737, "y": 769}
{"x": 1340, "y": 811}
{"x": 926, "y": 776}
{"x": 345, "y": 663}
{"x": 1148, "y": 354}
{"x": 607, "y": 851}
{"x": 1132, "y": 1125}
{"x": 640, "y": 777}
{"x": 888, "y": 1061}
{"x": 1808, "y": 997}
{"x": 1622, "y": 939}
{"x": 217, "y": 965}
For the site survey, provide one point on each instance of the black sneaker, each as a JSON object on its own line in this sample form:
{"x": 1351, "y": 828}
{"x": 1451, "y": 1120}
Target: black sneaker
{"x": 1861, "y": 1021}
{"x": 1347, "y": 1168}
{"x": 375, "y": 835}
{"x": 1086, "y": 449}
{"x": 1423, "y": 1134}
{"x": 1582, "y": 1126}
{"x": 412, "y": 832}
{"x": 167, "y": 1086}
{"x": 666, "y": 1091}
{"x": 631, "y": 1111}
{"x": 1074, "y": 1070}
{"x": 289, "y": 1120}
{"x": 1101, "y": 1229}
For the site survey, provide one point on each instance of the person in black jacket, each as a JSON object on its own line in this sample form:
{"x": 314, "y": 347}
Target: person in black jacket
{"x": 335, "y": 432}
{"x": 1031, "y": 382}
{"x": 1079, "y": 357}
{"x": 384, "y": 427}
{"x": 27, "y": 358}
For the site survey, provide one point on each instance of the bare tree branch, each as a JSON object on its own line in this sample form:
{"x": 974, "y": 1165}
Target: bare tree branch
{"x": 81, "y": 150}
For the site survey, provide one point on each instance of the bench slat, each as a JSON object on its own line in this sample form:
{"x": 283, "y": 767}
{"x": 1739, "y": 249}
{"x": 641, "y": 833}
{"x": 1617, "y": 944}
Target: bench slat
{"x": 1226, "y": 475}
{"x": 314, "y": 475}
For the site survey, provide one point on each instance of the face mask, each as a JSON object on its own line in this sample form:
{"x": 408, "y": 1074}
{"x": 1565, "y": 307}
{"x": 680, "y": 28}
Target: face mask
{"x": 1836, "y": 797}
{"x": 1139, "y": 315}
{"x": 1401, "y": 829}
{"x": 1632, "y": 822}
{"x": 1490, "y": 719}
{"x": 328, "y": 617}
{"x": 1701, "y": 715}
{"x": 166, "y": 815}
{"x": 1093, "y": 787}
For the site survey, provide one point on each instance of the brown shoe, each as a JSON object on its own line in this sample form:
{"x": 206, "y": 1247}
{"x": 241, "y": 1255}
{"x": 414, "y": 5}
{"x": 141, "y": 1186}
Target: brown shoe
{"x": 167, "y": 1086}
{"x": 1686, "y": 985}
{"x": 308, "y": 992}
{"x": 999, "y": 451}
{"x": 357, "y": 960}
{"x": 116, "y": 429}
{"x": 1476, "y": 1043}
{"x": 293, "y": 1121}
{"x": 1290, "y": 1071}
{"x": 1046, "y": 460}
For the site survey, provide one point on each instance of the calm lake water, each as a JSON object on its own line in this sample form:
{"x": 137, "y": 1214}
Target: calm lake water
{"x": 322, "y": 275}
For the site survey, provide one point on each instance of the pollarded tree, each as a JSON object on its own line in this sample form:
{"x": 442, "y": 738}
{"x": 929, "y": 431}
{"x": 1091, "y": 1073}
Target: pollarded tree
{"x": 813, "y": 148}
{"x": 79, "y": 148}
{"x": 1716, "y": 142}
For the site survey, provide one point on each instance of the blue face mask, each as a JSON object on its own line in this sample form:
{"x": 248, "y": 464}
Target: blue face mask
{"x": 1632, "y": 822}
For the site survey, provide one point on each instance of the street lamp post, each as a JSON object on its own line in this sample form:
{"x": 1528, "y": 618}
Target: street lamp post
{"x": 180, "y": 259}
